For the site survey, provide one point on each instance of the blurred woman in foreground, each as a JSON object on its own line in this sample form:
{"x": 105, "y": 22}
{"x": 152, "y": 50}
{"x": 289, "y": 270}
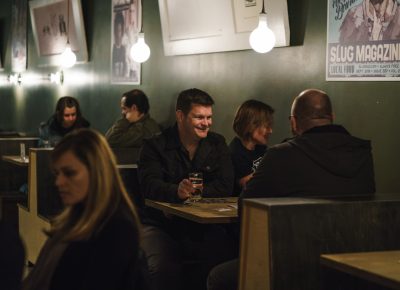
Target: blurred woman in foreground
{"x": 94, "y": 242}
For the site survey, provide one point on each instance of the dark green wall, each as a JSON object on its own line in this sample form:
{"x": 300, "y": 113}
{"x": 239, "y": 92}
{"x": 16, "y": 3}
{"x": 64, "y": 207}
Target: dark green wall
{"x": 367, "y": 109}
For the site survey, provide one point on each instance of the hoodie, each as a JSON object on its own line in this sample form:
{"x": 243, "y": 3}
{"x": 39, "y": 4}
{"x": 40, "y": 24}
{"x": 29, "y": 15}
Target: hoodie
{"x": 323, "y": 161}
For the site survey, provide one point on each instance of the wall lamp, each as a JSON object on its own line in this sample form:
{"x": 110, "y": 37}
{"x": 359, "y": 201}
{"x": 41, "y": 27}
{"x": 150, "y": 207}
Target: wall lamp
{"x": 15, "y": 79}
{"x": 57, "y": 78}
{"x": 262, "y": 39}
{"x": 140, "y": 51}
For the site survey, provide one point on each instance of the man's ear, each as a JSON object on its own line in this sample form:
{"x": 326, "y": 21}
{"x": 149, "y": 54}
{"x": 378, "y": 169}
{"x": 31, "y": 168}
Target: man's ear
{"x": 179, "y": 116}
{"x": 333, "y": 117}
{"x": 293, "y": 126}
{"x": 134, "y": 107}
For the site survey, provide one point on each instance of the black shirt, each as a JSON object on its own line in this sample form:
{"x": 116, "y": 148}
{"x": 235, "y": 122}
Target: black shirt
{"x": 244, "y": 161}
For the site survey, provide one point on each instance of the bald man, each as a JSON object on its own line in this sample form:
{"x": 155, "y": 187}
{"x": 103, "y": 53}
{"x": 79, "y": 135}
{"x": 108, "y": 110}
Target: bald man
{"x": 321, "y": 159}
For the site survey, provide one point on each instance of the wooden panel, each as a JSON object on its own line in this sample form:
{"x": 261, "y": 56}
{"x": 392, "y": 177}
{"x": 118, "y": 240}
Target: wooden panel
{"x": 301, "y": 229}
{"x": 254, "y": 260}
{"x": 30, "y": 224}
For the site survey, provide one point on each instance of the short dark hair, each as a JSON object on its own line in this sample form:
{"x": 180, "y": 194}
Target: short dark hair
{"x": 251, "y": 115}
{"x": 138, "y": 98}
{"x": 65, "y": 102}
{"x": 192, "y": 96}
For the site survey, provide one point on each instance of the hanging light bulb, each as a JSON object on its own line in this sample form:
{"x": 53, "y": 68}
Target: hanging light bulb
{"x": 68, "y": 57}
{"x": 262, "y": 39}
{"x": 140, "y": 51}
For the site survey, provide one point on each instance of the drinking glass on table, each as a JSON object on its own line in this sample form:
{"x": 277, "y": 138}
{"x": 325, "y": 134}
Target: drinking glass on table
{"x": 196, "y": 178}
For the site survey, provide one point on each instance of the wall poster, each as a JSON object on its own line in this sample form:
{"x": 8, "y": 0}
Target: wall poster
{"x": 125, "y": 27}
{"x": 19, "y": 14}
{"x": 363, "y": 40}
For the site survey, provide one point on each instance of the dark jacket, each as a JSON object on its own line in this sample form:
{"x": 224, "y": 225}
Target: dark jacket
{"x": 126, "y": 134}
{"x": 324, "y": 160}
{"x": 107, "y": 261}
{"x": 52, "y": 131}
{"x": 164, "y": 163}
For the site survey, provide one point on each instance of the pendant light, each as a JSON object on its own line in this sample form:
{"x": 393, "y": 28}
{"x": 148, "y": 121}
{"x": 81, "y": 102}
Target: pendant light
{"x": 140, "y": 51}
{"x": 68, "y": 57}
{"x": 262, "y": 39}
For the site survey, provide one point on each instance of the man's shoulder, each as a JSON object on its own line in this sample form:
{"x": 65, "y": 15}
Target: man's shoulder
{"x": 215, "y": 138}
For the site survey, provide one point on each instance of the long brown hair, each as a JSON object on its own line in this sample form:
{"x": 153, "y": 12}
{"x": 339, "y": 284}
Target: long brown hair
{"x": 106, "y": 190}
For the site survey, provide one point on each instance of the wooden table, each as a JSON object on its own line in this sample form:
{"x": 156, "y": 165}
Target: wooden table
{"x": 16, "y": 159}
{"x": 382, "y": 268}
{"x": 206, "y": 211}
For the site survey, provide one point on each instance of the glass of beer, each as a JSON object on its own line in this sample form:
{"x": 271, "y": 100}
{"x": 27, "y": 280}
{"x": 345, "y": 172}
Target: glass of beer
{"x": 197, "y": 180}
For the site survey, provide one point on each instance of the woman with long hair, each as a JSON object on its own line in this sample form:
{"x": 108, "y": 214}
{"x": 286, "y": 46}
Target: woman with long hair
{"x": 94, "y": 242}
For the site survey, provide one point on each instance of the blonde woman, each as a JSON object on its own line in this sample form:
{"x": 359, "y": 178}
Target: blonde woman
{"x": 94, "y": 242}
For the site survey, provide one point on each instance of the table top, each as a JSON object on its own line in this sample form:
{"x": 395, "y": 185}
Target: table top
{"x": 16, "y": 159}
{"x": 206, "y": 211}
{"x": 382, "y": 268}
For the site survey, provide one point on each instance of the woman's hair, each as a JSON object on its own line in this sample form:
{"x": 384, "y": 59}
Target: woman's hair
{"x": 65, "y": 102}
{"x": 106, "y": 190}
{"x": 251, "y": 115}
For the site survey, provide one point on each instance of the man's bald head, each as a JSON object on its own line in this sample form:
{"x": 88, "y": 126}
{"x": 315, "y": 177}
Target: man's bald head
{"x": 311, "y": 108}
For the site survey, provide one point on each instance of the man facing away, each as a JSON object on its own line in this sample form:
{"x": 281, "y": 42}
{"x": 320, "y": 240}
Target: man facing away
{"x": 135, "y": 123}
{"x": 164, "y": 165}
{"x": 322, "y": 158}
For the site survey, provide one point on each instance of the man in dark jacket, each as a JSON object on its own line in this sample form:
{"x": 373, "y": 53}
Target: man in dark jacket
{"x": 164, "y": 165}
{"x": 322, "y": 158}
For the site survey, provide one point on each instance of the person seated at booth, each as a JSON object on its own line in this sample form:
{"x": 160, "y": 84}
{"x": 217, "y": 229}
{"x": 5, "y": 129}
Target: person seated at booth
{"x": 94, "y": 242}
{"x": 164, "y": 166}
{"x": 135, "y": 123}
{"x": 322, "y": 159}
{"x": 66, "y": 118}
{"x": 253, "y": 126}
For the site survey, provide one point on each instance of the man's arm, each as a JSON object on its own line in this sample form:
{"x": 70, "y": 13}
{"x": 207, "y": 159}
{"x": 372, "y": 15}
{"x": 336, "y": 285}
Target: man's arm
{"x": 151, "y": 175}
{"x": 125, "y": 134}
{"x": 222, "y": 185}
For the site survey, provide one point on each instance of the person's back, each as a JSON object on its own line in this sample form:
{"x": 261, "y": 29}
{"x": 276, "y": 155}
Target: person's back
{"x": 322, "y": 158}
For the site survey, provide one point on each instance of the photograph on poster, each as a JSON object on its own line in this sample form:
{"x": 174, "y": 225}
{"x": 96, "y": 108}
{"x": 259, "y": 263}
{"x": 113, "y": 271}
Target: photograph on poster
{"x": 53, "y": 23}
{"x": 18, "y": 36}
{"x": 125, "y": 27}
{"x": 363, "y": 40}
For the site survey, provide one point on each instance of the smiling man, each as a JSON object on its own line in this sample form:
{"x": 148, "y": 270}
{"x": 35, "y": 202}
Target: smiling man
{"x": 165, "y": 163}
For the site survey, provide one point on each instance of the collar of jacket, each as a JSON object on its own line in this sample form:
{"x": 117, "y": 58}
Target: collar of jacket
{"x": 327, "y": 129}
{"x": 173, "y": 142}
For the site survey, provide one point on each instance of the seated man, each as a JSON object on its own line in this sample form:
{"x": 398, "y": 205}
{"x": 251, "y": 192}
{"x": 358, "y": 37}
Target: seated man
{"x": 164, "y": 166}
{"x": 321, "y": 160}
{"x": 135, "y": 124}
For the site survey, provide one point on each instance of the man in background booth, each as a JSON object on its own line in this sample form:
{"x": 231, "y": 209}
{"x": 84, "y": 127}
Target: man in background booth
{"x": 135, "y": 124}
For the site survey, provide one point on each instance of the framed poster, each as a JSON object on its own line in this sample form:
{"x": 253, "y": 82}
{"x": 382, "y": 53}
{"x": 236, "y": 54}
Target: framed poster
{"x": 53, "y": 22}
{"x": 363, "y": 40}
{"x": 125, "y": 26}
{"x": 192, "y": 26}
{"x": 19, "y": 15}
